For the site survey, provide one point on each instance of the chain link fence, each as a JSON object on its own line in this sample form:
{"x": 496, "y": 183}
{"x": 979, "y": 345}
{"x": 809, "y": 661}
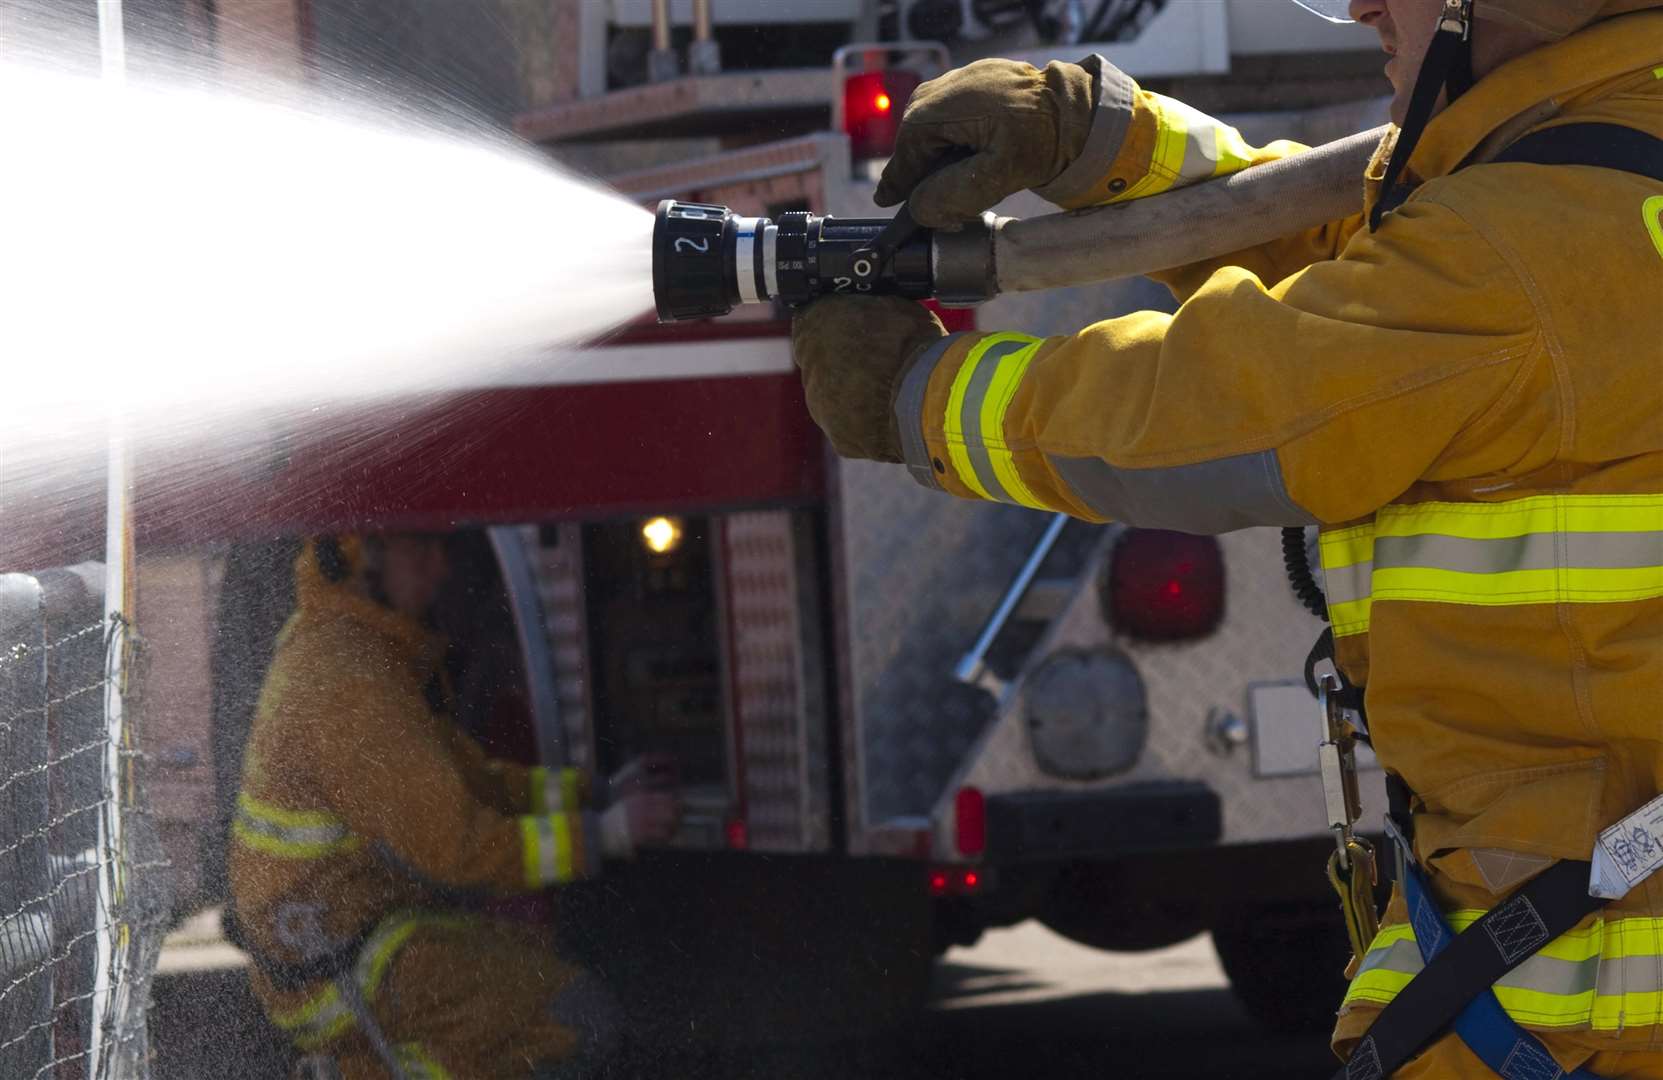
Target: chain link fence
{"x": 83, "y": 885}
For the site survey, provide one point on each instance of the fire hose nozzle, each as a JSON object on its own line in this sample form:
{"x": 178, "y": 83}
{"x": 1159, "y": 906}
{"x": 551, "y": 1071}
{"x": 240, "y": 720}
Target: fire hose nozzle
{"x": 707, "y": 260}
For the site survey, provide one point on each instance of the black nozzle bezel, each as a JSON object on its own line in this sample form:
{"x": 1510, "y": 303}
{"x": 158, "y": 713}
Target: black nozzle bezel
{"x": 692, "y": 258}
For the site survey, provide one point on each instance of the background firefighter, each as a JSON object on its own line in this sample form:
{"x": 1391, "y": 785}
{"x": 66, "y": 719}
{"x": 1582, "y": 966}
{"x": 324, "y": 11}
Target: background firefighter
{"x": 369, "y": 828}
{"x": 1462, "y": 384}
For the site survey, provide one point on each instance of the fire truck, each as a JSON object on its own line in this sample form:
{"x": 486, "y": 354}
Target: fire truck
{"x": 899, "y": 719}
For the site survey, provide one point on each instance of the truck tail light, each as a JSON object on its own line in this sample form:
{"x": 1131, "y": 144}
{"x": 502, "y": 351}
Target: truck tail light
{"x": 1164, "y": 586}
{"x": 970, "y": 819}
{"x": 872, "y": 105}
{"x": 738, "y": 836}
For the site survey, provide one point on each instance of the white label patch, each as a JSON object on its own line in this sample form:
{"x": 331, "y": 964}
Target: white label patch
{"x": 1628, "y": 852}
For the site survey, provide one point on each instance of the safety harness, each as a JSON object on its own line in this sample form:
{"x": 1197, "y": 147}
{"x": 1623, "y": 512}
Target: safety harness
{"x": 1453, "y": 990}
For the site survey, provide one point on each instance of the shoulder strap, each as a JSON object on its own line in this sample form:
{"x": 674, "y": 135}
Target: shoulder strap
{"x": 1605, "y": 146}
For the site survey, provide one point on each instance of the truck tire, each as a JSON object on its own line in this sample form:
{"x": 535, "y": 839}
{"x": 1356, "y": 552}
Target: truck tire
{"x": 1286, "y": 962}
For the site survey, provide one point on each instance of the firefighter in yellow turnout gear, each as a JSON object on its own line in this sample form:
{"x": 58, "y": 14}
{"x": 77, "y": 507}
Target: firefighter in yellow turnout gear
{"x": 368, "y": 825}
{"x": 1467, "y": 397}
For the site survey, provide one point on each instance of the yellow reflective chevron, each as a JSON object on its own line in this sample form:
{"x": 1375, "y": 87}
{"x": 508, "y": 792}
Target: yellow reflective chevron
{"x": 290, "y": 834}
{"x": 1607, "y": 975}
{"x": 1545, "y": 549}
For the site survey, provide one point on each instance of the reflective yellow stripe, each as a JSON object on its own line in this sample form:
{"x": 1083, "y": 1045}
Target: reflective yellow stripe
{"x": 417, "y": 1064}
{"x": 531, "y": 852}
{"x": 290, "y": 834}
{"x": 556, "y": 790}
{"x": 571, "y": 790}
{"x": 564, "y": 870}
{"x": 995, "y": 405}
{"x": 1167, "y": 161}
{"x": 1546, "y": 549}
{"x": 322, "y": 1017}
{"x": 953, "y": 424}
{"x": 1570, "y": 585}
{"x": 1619, "y": 961}
{"x": 1537, "y": 514}
{"x": 1652, "y": 211}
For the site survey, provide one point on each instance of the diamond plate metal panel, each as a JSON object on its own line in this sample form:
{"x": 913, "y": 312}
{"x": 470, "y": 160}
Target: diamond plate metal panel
{"x": 1264, "y": 637}
{"x": 760, "y": 560}
{"x": 559, "y": 573}
{"x": 924, "y": 572}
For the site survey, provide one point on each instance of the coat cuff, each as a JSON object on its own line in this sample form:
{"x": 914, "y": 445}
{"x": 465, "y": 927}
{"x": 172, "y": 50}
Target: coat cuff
{"x": 911, "y": 390}
{"x": 558, "y": 790}
{"x": 1116, "y": 93}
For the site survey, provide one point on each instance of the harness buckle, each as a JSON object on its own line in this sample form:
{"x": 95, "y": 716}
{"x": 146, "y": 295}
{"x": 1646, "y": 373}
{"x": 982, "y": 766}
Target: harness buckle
{"x": 1337, "y": 760}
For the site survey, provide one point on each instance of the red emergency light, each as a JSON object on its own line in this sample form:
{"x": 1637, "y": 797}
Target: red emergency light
{"x": 873, "y": 102}
{"x": 1164, "y": 586}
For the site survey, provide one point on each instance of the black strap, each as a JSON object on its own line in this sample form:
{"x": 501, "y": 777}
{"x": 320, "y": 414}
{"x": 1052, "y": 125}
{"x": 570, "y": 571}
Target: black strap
{"x": 1552, "y": 903}
{"x": 1447, "y": 58}
{"x": 1605, "y": 146}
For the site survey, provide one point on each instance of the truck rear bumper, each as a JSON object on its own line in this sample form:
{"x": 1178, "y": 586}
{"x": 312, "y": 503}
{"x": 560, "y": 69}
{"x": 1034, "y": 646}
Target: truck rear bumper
{"x": 1155, "y": 816}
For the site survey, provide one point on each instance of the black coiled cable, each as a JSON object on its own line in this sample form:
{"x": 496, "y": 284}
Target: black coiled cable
{"x": 1298, "y": 562}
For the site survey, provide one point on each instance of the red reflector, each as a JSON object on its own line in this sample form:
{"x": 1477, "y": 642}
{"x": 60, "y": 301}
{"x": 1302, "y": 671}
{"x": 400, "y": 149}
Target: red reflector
{"x": 972, "y": 880}
{"x": 1164, "y": 586}
{"x": 938, "y": 884}
{"x": 738, "y": 837}
{"x": 872, "y": 106}
{"x": 970, "y": 816}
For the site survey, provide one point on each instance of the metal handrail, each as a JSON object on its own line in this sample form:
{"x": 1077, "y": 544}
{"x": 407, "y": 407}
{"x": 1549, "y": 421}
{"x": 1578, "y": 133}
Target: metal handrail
{"x": 972, "y": 666}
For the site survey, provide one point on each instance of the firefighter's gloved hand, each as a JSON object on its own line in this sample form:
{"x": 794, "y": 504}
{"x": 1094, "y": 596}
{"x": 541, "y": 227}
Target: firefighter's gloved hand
{"x": 1024, "y": 125}
{"x": 851, "y": 350}
{"x": 639, "y": 820}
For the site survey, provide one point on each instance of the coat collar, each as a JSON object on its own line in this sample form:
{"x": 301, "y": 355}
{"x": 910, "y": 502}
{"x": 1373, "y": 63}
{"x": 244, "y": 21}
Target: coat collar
{"x": 1530, "y": 89}
{"x": 1527, "y": 91}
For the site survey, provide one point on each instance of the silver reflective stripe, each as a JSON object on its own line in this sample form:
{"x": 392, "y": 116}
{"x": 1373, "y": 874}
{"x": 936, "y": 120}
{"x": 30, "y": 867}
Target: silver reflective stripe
{"x": 1207, "y": 497}
{"x": 771, "y": 260}
{"x": 307, "y": 835}
{"x": 548, "y": 849}
{"x": 970, "y": 418}
{"x": 1609, "y": 976}
{"x": 1109, "y": 123}
{"x": 909, "y": 411}
{"x": 744, "y": 259}
{"x": 1200, "y": 151}
{"x": 1347, "y": 583}
{"x": 1534, "y": 551}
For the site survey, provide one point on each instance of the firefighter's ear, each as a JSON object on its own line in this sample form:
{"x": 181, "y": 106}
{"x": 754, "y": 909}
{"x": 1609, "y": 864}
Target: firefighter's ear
{"x": 331, "y": 560}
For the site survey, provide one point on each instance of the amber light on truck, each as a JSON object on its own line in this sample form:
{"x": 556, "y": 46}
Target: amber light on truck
{"x": 1163, "y": 586}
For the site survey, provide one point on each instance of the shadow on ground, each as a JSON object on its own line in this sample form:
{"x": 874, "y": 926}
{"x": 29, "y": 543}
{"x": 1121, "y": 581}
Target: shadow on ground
{"x": 205, "y": 1026}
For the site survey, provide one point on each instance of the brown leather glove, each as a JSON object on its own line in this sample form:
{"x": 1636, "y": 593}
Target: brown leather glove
{"x": 850, "y": 350}
{"x": 1024, "y": 125}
